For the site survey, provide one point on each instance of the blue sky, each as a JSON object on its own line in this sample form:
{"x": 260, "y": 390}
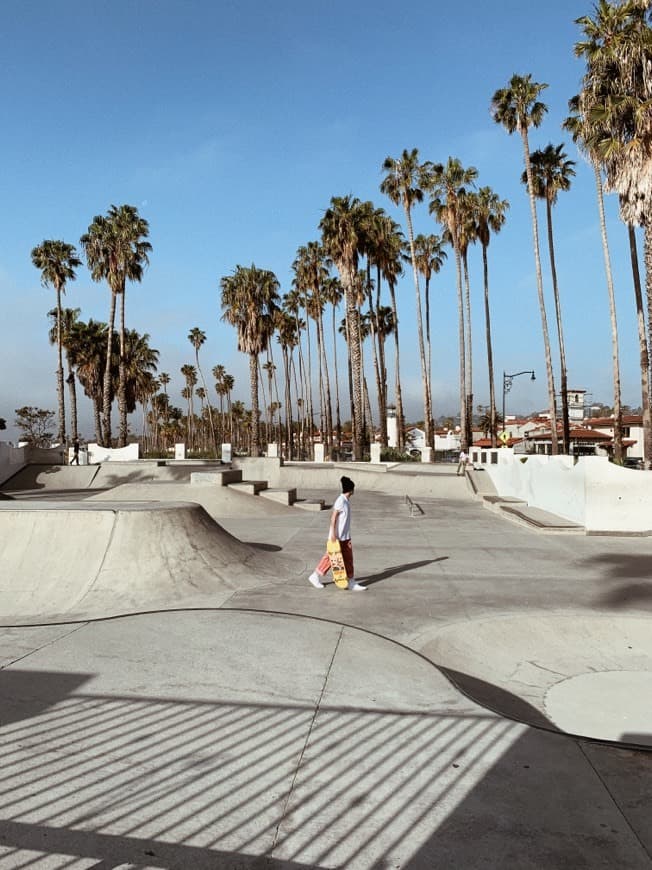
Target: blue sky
{"x": 230, "y": 125}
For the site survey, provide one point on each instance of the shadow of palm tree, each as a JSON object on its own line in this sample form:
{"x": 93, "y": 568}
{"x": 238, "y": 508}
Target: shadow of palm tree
{"x": 397, "y": 569}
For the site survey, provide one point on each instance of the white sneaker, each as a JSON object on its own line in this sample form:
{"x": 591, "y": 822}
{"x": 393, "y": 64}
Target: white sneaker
{"x": 356, "y": 587}
{"x": 316, "y": 582}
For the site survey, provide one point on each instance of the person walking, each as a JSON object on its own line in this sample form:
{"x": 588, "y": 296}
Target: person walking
{"x": 339, "y": 530}
{"x": 461, "y": 465}
{"x": 75, "y": 452}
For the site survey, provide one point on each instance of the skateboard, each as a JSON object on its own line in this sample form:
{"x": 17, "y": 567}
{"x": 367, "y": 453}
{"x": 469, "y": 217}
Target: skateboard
{"x": 334, "y": 551}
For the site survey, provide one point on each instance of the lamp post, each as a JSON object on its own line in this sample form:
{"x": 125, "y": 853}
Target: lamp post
{"x": 507, "y": 385}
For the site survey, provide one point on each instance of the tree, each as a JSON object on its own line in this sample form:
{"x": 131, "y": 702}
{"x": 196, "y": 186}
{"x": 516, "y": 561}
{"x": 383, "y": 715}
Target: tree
{"x": 517, "y": 107}
{"x": 551, "y": 172}
{"x": 429, "y": 256}
{"x": 116, "y": 251}
{"x": 57, "y": 262}
{"x": 615, "y": 101}
{"x": 87, "y": 349}
{"x": 63, "y": 326}
{"x": 578, "y": 125}
{"x": 190, "y": 376}
{"x": 196, "y": 338}
{"x": 34, "y": 423}
{"x": 343, "y": 228}
{"x": 403, "y": 183}
{"x": 489, "y": 211}
{"x": 448, "y": 185}
{"x": 250, "y": 299}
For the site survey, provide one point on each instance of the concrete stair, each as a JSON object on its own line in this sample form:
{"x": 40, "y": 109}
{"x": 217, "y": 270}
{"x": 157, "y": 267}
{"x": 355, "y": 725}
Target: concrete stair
{"x": 251, "y": 487}
{"x": 310, "y": 504}
{"x": 282, "y": 496}
{"x": 216, "y": 478}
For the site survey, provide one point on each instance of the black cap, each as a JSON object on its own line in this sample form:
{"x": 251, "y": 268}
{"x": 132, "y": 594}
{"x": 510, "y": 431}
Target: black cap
{"x": 347, "y": 484}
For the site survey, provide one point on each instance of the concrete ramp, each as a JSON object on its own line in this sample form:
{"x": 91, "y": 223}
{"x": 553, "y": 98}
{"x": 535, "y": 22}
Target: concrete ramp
{"x": 74, "y": 561}
{"x": 51, "y": 478}
{"x": 579, "y": 673}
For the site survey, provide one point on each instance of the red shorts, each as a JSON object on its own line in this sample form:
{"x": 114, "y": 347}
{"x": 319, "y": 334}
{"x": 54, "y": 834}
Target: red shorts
{"x": 324, "y": 565}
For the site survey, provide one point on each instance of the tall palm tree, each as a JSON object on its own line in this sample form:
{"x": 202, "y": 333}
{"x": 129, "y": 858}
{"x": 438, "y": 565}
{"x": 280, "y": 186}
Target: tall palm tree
{"x": 551, "y": 172}
{"x": 579, "y": 127}
{"x": 333, "y": 296}
{"x": 388, "y": 255}
{"x": 617, "y": 90}
{"x": 343, "y": 228}
{"x": 429, "y": 256}
{"x": 69, "y": 316}
{"x": 490, "y": 214}
{"x": 57, "y": 262}
{"x": 190, "y": 376}
{"x": 403, "y": 183}
{"x": 311, "y": 268}
{"x": 250, "y": 299}
{"x": 116, "y": 251}
{"x": 448, "y": 185}
{"x": 197, "y": 337}
{"x": 517, "y": 107}
{"x": 87, "y": 348}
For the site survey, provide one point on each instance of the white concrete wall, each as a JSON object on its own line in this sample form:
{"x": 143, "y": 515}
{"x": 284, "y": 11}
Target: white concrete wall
{"x": 594, "y": 492}
{"x": 12, "y": 460}
{"x": 97, "y": 454}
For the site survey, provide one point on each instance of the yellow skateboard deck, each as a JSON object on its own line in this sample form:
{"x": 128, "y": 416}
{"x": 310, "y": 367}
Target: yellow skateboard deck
{"x": 334, "y": 551}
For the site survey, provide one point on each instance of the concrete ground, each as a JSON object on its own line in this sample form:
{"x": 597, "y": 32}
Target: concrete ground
{"x": 439, "y": 720}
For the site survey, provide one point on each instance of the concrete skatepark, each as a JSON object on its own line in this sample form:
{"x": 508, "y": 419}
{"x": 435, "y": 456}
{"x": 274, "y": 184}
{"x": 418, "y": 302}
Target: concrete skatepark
{"x": 175, "y": 694}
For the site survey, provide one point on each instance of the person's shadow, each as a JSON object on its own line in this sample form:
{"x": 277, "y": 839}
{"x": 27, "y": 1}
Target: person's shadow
{"x": 397, "y": 569}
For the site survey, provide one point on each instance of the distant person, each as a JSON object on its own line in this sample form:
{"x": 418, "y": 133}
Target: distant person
{"x": 75, "y": 452}
{"x": 340, "y": 530}
{"x": 463, "y": 461}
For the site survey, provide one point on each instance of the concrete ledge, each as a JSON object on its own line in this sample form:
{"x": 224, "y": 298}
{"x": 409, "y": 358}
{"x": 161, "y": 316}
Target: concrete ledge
{"x": 252, "y": 487}
{"x": 215, "y": 478}
{"x": 310, "y": 504}
{"x": 282, "y": 496}
{"x": 542, "y": 520}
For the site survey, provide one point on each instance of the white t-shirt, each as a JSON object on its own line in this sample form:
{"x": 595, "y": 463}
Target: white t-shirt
{"x": 343, "y": 525}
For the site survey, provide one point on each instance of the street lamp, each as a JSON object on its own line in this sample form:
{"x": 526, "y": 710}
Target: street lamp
{"x": 507, "y": 385}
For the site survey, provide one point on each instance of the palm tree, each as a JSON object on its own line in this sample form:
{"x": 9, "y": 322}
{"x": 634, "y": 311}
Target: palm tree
{"x": 342, "y": 228}
{"x": 616, "y": 97}
{"x": 311, "y": 268}
{"x": 250, "y": 299}
{"x": 116, "y": 251}
{"x": 196, "y": 338}
{"x": 552, "y": 172}
{"x": 333, "y": 296}
{"x": 517, "y": 107}
{"x": 69, "y": 316}
{"x": 489, "y": 213}
{"x": 448, "y": 185}
{"x": 87, "y": 349}
{"x": 403, "y": 183}
{"x": 190, "y": 376}
{"x": 429, "y": 256}
{"x": 57, "y": 262}
{"x": 579, "y": 127}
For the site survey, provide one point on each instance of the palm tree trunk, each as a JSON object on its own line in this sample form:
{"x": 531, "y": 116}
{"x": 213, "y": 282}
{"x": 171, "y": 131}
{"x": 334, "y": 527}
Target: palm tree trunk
{"x": 490, "y": 353}
{"x": 468, "y": 436}
{"x": 72, "y": 388}
{"x": 327, "y": 388}
{"x": 106, "y": 390}
{"x": 427, "y": 396}
{"x": 99, "y": 437}
{"x": 61, "y": 436}
{"x": 208, "y": 401}
{"x": 615, "y": 355}
{"x": 461, "y": 343}
{"x": 400, "y": 419}
{"x": 122, "y": 376}
{"x": 644, "y": 353}
{"x": 337, "y": 384}
{"x": 255, "y": 412}
{"x": 356, "y": 362}
{"x": 382, "y": 408}
{"x": 542, "y": 305}
{"x": 563, "y": 374}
